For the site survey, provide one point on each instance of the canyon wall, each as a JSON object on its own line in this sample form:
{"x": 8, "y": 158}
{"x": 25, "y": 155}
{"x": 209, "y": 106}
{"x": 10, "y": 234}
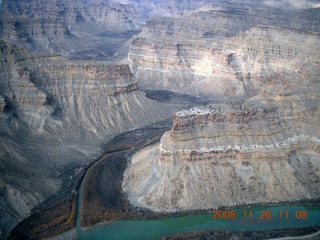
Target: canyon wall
{"x": 55, "y": 115}
{"x": 238, "y": 153}
{"x": 75, "y": 29}
{"x": 44, "y": 90}
{"x": 226, "y": 50}
{"x": 169, "y": 8}
{"x": 263, "y": 146}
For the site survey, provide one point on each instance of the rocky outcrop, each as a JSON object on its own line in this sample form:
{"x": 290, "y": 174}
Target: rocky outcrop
{"x": 49, "y": 93}
{"x": 2, "y": 103}
{"x": 169, "y": 8}
{"x": 57, "y": 107}
{"x": 55, "y": 114}
{"x": 75, "y": 29}
{"x": 237, "y": 153}
{"x": 226, "y": 51}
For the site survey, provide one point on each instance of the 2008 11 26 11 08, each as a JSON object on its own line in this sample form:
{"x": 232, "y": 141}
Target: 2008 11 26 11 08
{"x": 263, "y": 214}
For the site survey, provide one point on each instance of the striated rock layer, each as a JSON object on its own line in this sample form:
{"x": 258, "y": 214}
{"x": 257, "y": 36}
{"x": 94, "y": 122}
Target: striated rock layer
{"x": 263, "y": 149}
{"x": 51, "y": 94}
{"x": 227, "y": 50}
{"x": 241, "y": 152}
{"x": 55, "y": 114}
{"x": 76, "y": 29}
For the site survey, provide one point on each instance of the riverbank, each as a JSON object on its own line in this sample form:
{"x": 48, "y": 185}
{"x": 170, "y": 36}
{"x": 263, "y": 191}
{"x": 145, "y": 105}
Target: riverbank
{"x": 310, "y": 233}
{"x": 103, "y": 199}
{"x": 102, "y": 195}
{"x": 58, "y": 214}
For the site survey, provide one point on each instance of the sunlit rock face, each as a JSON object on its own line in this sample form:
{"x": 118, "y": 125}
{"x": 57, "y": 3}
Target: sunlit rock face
{"x": 168, "y": 8}
{"x": 57, "y": 107}
{"x": 261, "y": 149}
{"x": 225, "y": 50}
{"x": 231, "y": 154}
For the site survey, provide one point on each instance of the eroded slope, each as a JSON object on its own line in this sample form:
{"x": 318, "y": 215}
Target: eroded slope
{"x": 231, "y": 154}
{"x": 76, "y": 29}
{"x": 226, "y": 50}
{"x": 261, "y": 149}
{"x": 55, "y": 114}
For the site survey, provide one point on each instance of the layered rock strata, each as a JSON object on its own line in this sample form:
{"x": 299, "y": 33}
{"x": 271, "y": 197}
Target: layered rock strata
{"x": 75, "y": 29}
{"x": 169, "y": 8}
{"x": 51, "y": 94}
{"x": 231, "y": 154}
{"x": 55, "y": 114}
{"x": 227, "y": 51}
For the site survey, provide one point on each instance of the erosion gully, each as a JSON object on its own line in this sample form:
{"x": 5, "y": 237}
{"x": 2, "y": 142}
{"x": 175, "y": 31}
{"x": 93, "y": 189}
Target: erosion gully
{"x": 142, "y": 224}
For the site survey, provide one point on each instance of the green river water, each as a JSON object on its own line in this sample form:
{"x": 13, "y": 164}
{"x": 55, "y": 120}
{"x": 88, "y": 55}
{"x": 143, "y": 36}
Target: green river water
{"x": 154, "y": 229}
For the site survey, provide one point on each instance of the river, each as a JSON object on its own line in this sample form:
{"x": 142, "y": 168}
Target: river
{"x": 249, "y": 218}
{"x": 155, "y": 229}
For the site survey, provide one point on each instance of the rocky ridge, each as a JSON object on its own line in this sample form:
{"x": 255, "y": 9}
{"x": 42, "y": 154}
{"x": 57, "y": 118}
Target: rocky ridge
{"x": 49, "y": 90}
{"x": 267, "y": 153}
{"x": 262, "y": 147}
{"x": 75, "y": 29}
{"x": 55, "y": 114}
{"x": 169, "y": 8}
{"x": 226, "y": 51}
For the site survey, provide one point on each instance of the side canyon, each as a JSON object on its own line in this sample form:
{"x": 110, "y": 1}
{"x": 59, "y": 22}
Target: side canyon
{"x": 237, "y": 81}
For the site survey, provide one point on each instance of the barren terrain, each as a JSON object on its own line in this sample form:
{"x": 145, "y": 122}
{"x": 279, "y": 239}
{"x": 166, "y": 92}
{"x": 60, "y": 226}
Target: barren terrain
{"x": 197, "y": 104}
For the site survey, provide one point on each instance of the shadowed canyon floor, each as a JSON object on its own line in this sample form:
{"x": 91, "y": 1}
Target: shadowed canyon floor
{"x": 196, "y": 104}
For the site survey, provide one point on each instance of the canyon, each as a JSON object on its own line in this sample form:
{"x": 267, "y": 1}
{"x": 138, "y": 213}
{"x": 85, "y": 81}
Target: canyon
{"x": 230, "y": 154}
{"x": 242, "y": 151}
{"x": 256, "y": 148}
{"x": 213, "y": 62}
{"x": 55, "y": 115}
{"x": 238, "y": 82}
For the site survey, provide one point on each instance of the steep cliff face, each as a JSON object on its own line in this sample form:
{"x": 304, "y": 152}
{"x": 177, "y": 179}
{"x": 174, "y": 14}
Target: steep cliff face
{"x": 55, "y": 114}
{"x": 76, "y": 29}
{"x": 169, "y": 8}
{"x": 49, "y": 93}
{"x": 225, "y": 51}
{"x": 258, "y": 151}
{"x": 231, "y": 154}
{"x": 57, "y": 106}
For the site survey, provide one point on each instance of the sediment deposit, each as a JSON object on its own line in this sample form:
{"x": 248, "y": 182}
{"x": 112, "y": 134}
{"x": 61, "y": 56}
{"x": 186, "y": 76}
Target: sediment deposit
{"x": 230, "y": 154}
{"x": 55, "y": 114}
{"x": 262, "y": 147}
{"x": 70, "y": 80}
{"x": 225, "y": 50}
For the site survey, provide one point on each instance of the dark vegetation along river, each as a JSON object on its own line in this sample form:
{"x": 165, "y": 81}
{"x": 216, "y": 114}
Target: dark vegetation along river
{"x": 157, "y": 228}
{"x": 96, "y": 198}
{"x": 101, "y": 200}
